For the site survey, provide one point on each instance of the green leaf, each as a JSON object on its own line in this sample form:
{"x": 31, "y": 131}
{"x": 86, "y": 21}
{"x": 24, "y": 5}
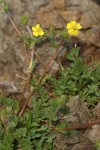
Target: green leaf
{"x": 5, "y": 7}
{"x": 51, "y": 138}
{"x": 34, "y": 124}
{"x": 8, "y": 141}
{"x": 25, "y": 144}
{"x": 24, "y": 20}
{"x": 21, "y": 132}
{"x": 73, "y": 54}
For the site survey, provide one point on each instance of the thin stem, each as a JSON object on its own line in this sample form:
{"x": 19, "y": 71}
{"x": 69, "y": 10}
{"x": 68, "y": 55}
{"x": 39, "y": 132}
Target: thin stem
{"x": 28, "y": 29}
{"x": 21, "y": 77}
{"x": 14, "y": 25}
{"x": 39, "y": 59}
{"x": 30, "y": 33}
{"x": 21, "y": 112}
{"x": 26, "y": 54}
{"x": 24, "y": 107}
{"x": 60, "y": 64}
{"x": 28, "y": 78}
{"x": 79, "y": 127}
{"x": 51, "y": 61}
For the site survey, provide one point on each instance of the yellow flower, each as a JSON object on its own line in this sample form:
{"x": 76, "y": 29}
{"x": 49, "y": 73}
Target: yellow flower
{"x": 73, "y": 28}
{"x": 37, "y": 30}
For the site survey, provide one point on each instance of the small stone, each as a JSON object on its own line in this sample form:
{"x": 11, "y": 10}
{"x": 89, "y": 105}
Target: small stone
{"x": 54, "y": 68}
{"x": 11, "y": 87}
{"x": 97, "y": 111}
{"x": 94, "y": 134}
{"x": 79, "y": 113}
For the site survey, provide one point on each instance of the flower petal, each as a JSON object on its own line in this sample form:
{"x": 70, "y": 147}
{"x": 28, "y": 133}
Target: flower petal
{"x": 34, "y": 28}
{"x": 71, "y": 31}
{"x": 35, "y": 34}
{"x": 38, "y": 26}
{"x": 68, "y": 26}
{"x": 78, "y": 26}
{"x": 41, "y": 32}
{"x": 75, "y": 32}
{"x": 73, "y": 23}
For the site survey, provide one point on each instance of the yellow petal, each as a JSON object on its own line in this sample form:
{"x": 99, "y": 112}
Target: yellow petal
{"x": 68, "y": 26}
{"x": 41, "y": 32}
{"x": 78, "y": 26}
{"x": 75, "y": 32}
{"x": 71, "y": 31}
{"x": 73, "y": 23}
{"x": 35, "y": 34}
{"x": 34, "y": 28}
{"x": 38, "y": 26}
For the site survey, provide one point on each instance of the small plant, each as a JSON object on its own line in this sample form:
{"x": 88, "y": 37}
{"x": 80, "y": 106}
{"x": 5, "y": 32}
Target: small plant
{"x": 5, "y": 7}
{"x": 78, "y": 79}
{"x": 26, "y": 128}
{"x": 24, "y": 20}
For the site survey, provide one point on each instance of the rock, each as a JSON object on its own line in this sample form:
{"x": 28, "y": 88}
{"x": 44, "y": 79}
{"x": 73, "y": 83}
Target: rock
{"x": 97, "y": 1}
{"x": 70, "y": 15}
{"x": 79, "y": 113}
{"x": 97, "y": 111}
{"x": 12, "y": 62}
{"x": 83, "y": 146}
{"x": 90, "y": 53}
{"x": 48, "y": 18}
{"x": 15, "y": 10}
{"x": 54, "y": 68}
{"x": 33, "y": 6}
{"x": 73, "y": 142}
{"x": 45, "y": 52}
{"x": 94, "y": 134}
{"x": 94, "y": 36}
{"x": 3, "y": 20}
{"x": 10, "y": 87}
{"x": 64, "y": 141}
{"x": 61, "y": 4}
{"x": 86, "y": 21}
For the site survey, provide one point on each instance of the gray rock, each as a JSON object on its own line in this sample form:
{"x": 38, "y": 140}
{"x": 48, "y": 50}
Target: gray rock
{"x": 94, "y": 36}
{"x": 64, "y": 141}
{"x": 12, "y": 60}
{"x": 11, "y": 87}
{"x": 94, "y": 134}
{"x": 3, "y": 20}
{"x": 97, "y": 111}
{"x": 79, "y": 113}
{"x": 83, "y": 146}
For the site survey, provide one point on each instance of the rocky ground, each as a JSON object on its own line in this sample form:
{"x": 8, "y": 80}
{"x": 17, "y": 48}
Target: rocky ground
{"x": 83, "y": 139}
{"x": 51, "y": 13}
